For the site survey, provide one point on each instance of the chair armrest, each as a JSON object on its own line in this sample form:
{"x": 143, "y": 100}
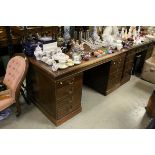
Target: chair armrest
{"x": 5, "y": 92}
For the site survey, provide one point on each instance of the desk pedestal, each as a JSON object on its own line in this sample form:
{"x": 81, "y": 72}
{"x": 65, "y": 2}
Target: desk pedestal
{"x": 58, "y": 99}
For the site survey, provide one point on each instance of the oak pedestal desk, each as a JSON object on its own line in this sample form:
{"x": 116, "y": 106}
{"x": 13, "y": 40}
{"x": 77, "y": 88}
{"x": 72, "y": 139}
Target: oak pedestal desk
{"x": 58, "y": 94}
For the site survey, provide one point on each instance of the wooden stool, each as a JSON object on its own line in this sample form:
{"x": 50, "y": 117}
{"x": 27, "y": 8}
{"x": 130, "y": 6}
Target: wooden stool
{"x": 150, "y": 108}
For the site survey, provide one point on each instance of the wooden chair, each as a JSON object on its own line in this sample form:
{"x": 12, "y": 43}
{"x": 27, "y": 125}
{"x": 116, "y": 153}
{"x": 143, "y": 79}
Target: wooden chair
{"x": 15, "y": 74}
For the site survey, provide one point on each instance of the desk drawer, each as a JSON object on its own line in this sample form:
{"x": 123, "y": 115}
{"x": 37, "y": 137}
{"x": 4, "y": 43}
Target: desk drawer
{"x": 120, "y": 66}
{"x": 116, "y": 70}
{"x": 67, "y": 86}
{"x": 64, "y": 91}
{"x": 66, "y": 106}
{"x": 113, "y": 66}
{"x": 117, "y": 64}
{"x": 68, "y": 81}
{"x": 68, "y": 95}
{"x": 114, "y": 80}
{"x": 65, "y": 82}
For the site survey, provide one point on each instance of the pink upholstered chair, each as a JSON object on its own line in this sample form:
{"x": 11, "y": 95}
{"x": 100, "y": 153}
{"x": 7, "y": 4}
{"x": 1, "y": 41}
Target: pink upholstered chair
{"x": 15, "y": 74}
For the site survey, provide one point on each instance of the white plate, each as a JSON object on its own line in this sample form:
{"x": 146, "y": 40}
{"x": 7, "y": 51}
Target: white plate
{"x": 62, "y": 66}
{"x": 77, "y": 62}
{"x": 70, "y": 64}
{"x": 60, "y": 56}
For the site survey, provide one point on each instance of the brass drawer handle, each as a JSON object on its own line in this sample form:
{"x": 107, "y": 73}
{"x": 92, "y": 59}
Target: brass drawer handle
{"x": 70, "y": 101}
{"x": 71, "y": 83}
{"x": 71, "y": 91}
{"x": 61, "y": 83}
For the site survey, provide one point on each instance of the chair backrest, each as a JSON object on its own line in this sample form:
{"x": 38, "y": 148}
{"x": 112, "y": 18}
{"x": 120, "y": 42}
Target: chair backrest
{"x": 15, "y": 74}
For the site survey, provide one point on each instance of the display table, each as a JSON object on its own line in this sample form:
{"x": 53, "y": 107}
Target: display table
{"x": 58, "y": 94}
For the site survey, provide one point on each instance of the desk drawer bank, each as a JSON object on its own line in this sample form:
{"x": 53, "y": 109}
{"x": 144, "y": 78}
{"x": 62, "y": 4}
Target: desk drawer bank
{"x": 59, "y": 99}
{"x": 58, "y": 94}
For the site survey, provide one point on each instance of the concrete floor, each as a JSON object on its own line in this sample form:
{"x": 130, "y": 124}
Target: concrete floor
{"x": 122, "y": 109}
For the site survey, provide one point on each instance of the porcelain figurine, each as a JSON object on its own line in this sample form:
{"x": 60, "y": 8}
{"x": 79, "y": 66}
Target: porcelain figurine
{"x": 38, "y": 48}
{"x": 49, "y": 61}
{"x": 87, "y": 35}
{"x": 55, "y": 66}
{"x": 55, "y": 50}
{"x": 110, "y": 41}
{"x": 119, "y": 46}
{"x": 110, "y": 35}
{"x": 67, "y": 36}
{"x": 76, "y": 47}
{"x": 96, "y": 41}
{"x": 48, "y": 54}
{"x": 122, "y": 33}
{"x": 59, "y": 50}
{"x": 38, "y": 53}
{"x": 138, "y": 40}
{"x": 134, "y": 33}
{"x": 139, "y": 30}
{"x": 81, "y": 46}
{"x": 44, "y": 58}
{"x": 107, "y": 31}
{"x": 38, "y": 56}
{"x": 60, "y": 56}
{"x": 95, "y": 36}
{"x": 110, "y": 51}
{"x": 115, "y": 32}
{"x": 76, "y": 58}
